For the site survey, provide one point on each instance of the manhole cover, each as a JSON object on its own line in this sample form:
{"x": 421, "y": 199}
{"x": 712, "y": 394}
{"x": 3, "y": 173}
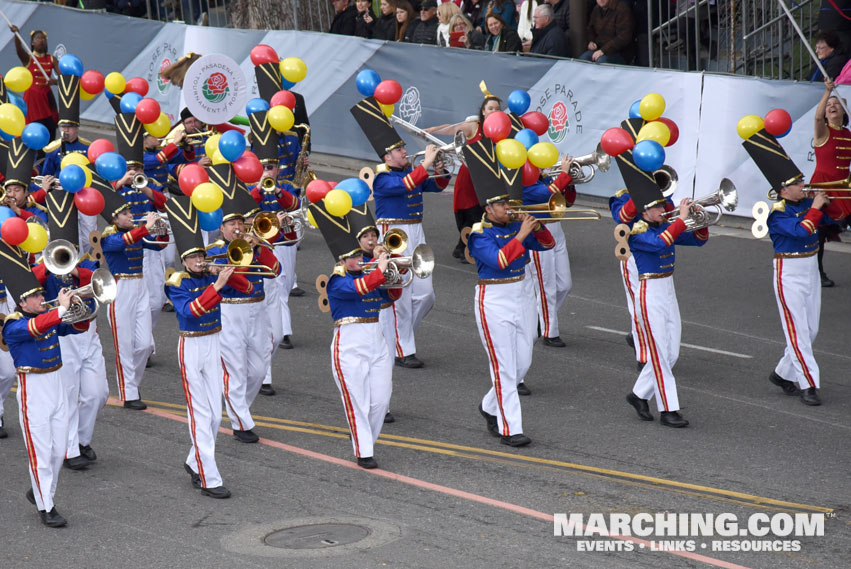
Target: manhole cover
{"x": 316, "y": 536}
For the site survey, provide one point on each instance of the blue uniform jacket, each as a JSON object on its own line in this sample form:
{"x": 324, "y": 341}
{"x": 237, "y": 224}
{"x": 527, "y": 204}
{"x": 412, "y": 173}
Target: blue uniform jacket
{"x": 498, "y": 254}
{"x": 196, "y": 303}
{"x": 652, "y": 246}
{"x": 399, "y": 193}
{"x": 354, "y": 297}
{"x": 53, "y": 160}
{"x": 793, "y": 227}
{"x": 33, "y": 340}
{"x": 123, "y": 249}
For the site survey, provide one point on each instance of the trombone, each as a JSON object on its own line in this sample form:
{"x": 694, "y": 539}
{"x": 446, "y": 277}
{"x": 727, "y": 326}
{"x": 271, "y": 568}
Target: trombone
{"x": 555, "y": 208}
{"x": 420, "y": 263}
{"x": 700, "y": 216}
{"x": 101, "y": 290}
{"x": 597, "y": 160}
{"x": 843, "y": 185}
{"x": 450, "y": 154}
{"x": 239, "y": 255}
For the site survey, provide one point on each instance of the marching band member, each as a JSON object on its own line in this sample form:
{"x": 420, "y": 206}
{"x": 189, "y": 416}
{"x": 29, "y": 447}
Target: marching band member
{"x": 504, "y": 300}
{"x": 18, "y": 175}
{"x": 32, "y": 335}
{"x": 246, "y": 353}
{"x": 793, "y": 226}
{"x": 360, "y": 358}
{"x": 158, "y": 158}
{"x": 398, "y": 192}
{"x": 652, "y": 242}
{"x": 196, "y": 295}
{"x": 7, "y": 366}
{"x": 69, "y": 125}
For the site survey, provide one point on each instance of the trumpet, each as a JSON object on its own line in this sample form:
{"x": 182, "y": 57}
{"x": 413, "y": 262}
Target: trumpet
{"x": 189, "y": 138}
{"x": 160, "y": 228}
{"x": 269, "y": 186}
{"x": 597, "y": 160}
{"x": 39, "y": 179}
{"x": 101, "y": 290}
{"x": 450, "y": 154}
{"x": 419, "y": 264}
{"x": 556, "y": 209}
{"x": 700, "y": 216}
{"x": 139, "y": 181}
{"x": 240, "y": 253}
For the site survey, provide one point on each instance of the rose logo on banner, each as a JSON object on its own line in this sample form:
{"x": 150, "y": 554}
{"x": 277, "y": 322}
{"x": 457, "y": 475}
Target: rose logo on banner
{"x": 162, "y": 83}
{"x": 409, "y": 107}
{"x": 559, "y": 123}
{"x": 161, "y": 57}
{"x": 564, "y": 111}
{"x": 215, "y": 88}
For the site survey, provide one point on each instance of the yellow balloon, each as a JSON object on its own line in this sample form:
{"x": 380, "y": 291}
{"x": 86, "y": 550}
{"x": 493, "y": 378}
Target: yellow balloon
{"x": 88, "y": 174}
{"x": 651, "y": 106}
{"x": 338, "y": 202}
{"x": 36, "y": 239}
{"x": 11, "y": 119}
{"x": 217, "y": 158}
{"x": 115, "y": 83}
{"x": 657, "y": 131}
{"x": 211, "y": 145}
{"x": 207, "y": 197}
{"x": 281, "y": 118}
{"x": 748, "y": 126}
{"x": 543, "y": 154}
{"x": 293, "y": 69}
{"x": 386, "y": 109}
{"x": 85, "y": 95}
{"x": 18, "y": 79}
{"x": 511, "y": 153}
{"x": 310, "y": 219}
{"x": 77, "y": 158}
{"x": 159, "y": 127}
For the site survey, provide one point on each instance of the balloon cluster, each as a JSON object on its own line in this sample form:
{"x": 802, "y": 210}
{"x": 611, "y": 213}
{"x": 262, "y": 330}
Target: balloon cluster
{"x": 31, "y": 237}
{"x": 777, "y": 123}
{"x": 13, "y": 114}
{"x": 648, "y": 148}
{"x": 282, "y": 105}
{"x": 293, "y": 69}
{"x": 387, "y": 92}
{"x": 339, "y": 197}
{"x": 75, "y": 176}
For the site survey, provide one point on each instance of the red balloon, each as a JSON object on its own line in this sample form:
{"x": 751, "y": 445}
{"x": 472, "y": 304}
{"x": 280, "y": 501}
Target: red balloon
{"x": 283, "y": 97}
{"x": 536, "y": 121}
{"x": 98, "y": 147}
{"x": 89, "y": 201}
{"x": 147, "y": 111}
{"x": 190, "y": 176}
{"x": 92, "y": 81}
{"x": 530, "y": 173}
{"x": 497, "y": 126}
{"x": 263, "y": 54}
{"x": 388, "y": 92}
{"x": 316, "y": 190}
{"x": 616, "y": 141}
{"x": 672, "y": 126}
{"x": 248, "y": 168}
{"x": 14, "y": 231}
{"x": 778, "y": 122}
{"x": 332, "y": 185}
{"x": 135, "y": 85}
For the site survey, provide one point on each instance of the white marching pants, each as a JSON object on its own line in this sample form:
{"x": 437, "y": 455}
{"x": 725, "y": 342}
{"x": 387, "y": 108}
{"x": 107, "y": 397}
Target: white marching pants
{"x": 505, "y": 315}
{"x": 401, "y": 320}
{"x": 44, "y": 424}
{"x": 797, "y": 286}
{"x": 272, "y": 288}
{"x": 85, "y": 384}
{"x": 130, "y": 321}
{"x": 629, "y": 273}
{"x": 246, "y": 352}
{"x": 659, "y": 315}
{"x": 7, "y": 365}
{"x": 203, "y": 373}
{"x": 153, "y": 269}
{"x": 362, "y": 368}
{"x": 287, "y": 257}
{"x": 550, "y": 273}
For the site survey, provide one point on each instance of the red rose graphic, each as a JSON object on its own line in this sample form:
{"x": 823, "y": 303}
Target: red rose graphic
{"x": 218, "y": 83}
{"x": 558, "y": 116}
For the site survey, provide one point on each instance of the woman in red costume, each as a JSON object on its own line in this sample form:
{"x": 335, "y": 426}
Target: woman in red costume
{"x": 41, "y": 106}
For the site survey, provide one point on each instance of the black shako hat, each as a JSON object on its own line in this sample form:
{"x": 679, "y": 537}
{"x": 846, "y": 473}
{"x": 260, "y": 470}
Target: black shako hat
{"x": 69, "y": 100}
{"x": 16, "y": 272}
{"x": 185, "y": 227}
{"x": 772, "y": 160}
{"x": 237, "y": 200}
{"x": 19, "y": 164}
{"x": 376, "y": 126}
{"x": 341, "y": 233}
{"x": 62, "y": 222}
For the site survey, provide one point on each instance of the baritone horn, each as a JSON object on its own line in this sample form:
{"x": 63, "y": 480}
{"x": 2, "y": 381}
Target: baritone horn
{"x": 555, "y": 209}
{"x": 101, "y": 290}
{"x": 401, "y": 271}
{"x": 724, "y": 198}
{"x": 294, "y": 222}
{"x": 395, "y": 241}
{"x": 265, "y": 224}
{"x": 60, "y": 257}
{"x": 37, "y": 180}
{"x": 584, "y": 168}
{"x": 449, "y": 154}
{"x": 667, "y": 180}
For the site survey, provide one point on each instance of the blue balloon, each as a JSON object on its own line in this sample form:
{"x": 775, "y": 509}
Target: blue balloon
{"x": 129, "y": 102}
{"x": 648, "y": 155}
{"x": 5, "y": 213}
{"x": 527, "y": 137}
{"x": 232, "y": 145}
{"x": 35, "y": 136}
{"x": 519, "y": 101}
{"x": 111, "y": 165}
{"x": 5, "y": 135}
{"x": 356, "y": 188}
{"x": 18, "y": 102}
{"x": 366, "y": 81}
{"x": 108, "y": 94}
{"x": 70, "y": 65}
{"x": 256, "y": 105}
{"x": 635, "y": 110}
{"x": 286, "y": 84}
{"x": 72, "y": 178}
{"x": 210, "y": 220}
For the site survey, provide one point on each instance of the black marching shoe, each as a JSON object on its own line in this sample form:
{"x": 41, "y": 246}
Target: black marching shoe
{"x": 389, "y": 418}
{"x": 219, "y": 492}
{"x": 31, "y": 496}
{"x": 554, "y": 342}
{"x": 788, "y": 387}
{"x": 640, "y": 366}
{"x": 196, "y": 479}
{"x": 3, "y": 433}
{"x": 630, "y": 340}
{"x": 297, "y": 292}
{"x": 522, "y": 389}
{"x": 410, "y": 361}
{"x": 491, "y": 421}
{"x": 641, "y": 406}
{"x": 367, "y": 462}
{"x": 135, "y": 404}
{"x": 826, "y": 282}
{"x": 88, "y": 452}
{"x": 52, "y": 518}
{"x": 672, "y": 419}
{"x": 286, "y": 343}
{"x": 810, "y": 396}
{"x": 77, "y": 463}
{"x": 267, "y": 389}
{"x": 168, "y": 307}
{"x": 246, "y": 436}
{"x": 517, "y": 440}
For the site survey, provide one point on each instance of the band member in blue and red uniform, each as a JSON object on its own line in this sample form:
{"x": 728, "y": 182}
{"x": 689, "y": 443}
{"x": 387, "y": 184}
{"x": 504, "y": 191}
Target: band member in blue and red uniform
{"x": 398, "y": 191}
{"x": 652, "y": 242}
{"x": 17, "y": 183}
{"x": 69, "y": 125}
{"x": 246, "y": 351}
{"x": 158, "y": 158}
{"x": 793, "y": 226}
{"x": 32, "y": 334}
{"x": 360, "y": 358}
{"x": 195, "y": 293}
{"x": 505, "y": 299}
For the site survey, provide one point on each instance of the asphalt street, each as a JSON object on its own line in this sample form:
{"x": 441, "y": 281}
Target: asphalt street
{"x": 447, "y": 493}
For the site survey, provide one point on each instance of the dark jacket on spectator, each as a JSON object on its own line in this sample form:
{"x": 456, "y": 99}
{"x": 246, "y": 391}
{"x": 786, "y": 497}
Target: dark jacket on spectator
{"x": 833, "y": 65}
{"x": 612, "y": 29}
{"x": 385, "y": 27}
{"x": 507, "y": 40}
{"x": 344, "y": 22}
{"x": 362, "y": 29}
{"x": 561, "y": 14}
{"x": 422, "y": 32}
{"x": 508, "y": 13}
{"x": 549, "y": 41}
{"x": 474, "y": 12}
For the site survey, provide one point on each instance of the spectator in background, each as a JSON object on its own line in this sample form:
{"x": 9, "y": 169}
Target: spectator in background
{"x": 365, "y": 19}
{"x": 463, "y": 34}
{"x": 830, "y": 55}
{"x": 344, "y": 19}
{"x": 547, "y": 37}
{"x": 475, "y": 12}
{"x": 444, "y": 13}
{"x": 500, "y": 36}
{"x": 385, "y": 24}
{"x": 404, "y": 17}
{"x": 561, "y": 14}
{"x": 506, "y": 10}
{"x": 611, "y": 31}
{"x": 524, "y": 19}
{"x": 424, "y": 29}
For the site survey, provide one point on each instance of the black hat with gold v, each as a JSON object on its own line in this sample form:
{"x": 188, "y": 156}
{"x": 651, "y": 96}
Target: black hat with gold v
{"x": 489, "y": 181}
{"x": 362, "y": 220}
{"x": 340, "y": 233}
{"x": 19, "y": 164}
{"x": 237, "y": 200}
{"x": 772, "y": 160}
{"x": 113, "y": 202}
{"x": 62, "y": 222}
{"x": 376, "y": 126}
{"x": 130, "y": 138}
{"x": 642, "y": 186}
{"x": 268, "y": 77}
{"x": 264, "y": 140}
{"x": 69, "y": 100}
{"x": 16, "y": 272}
{"x": 183, "y": 220}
